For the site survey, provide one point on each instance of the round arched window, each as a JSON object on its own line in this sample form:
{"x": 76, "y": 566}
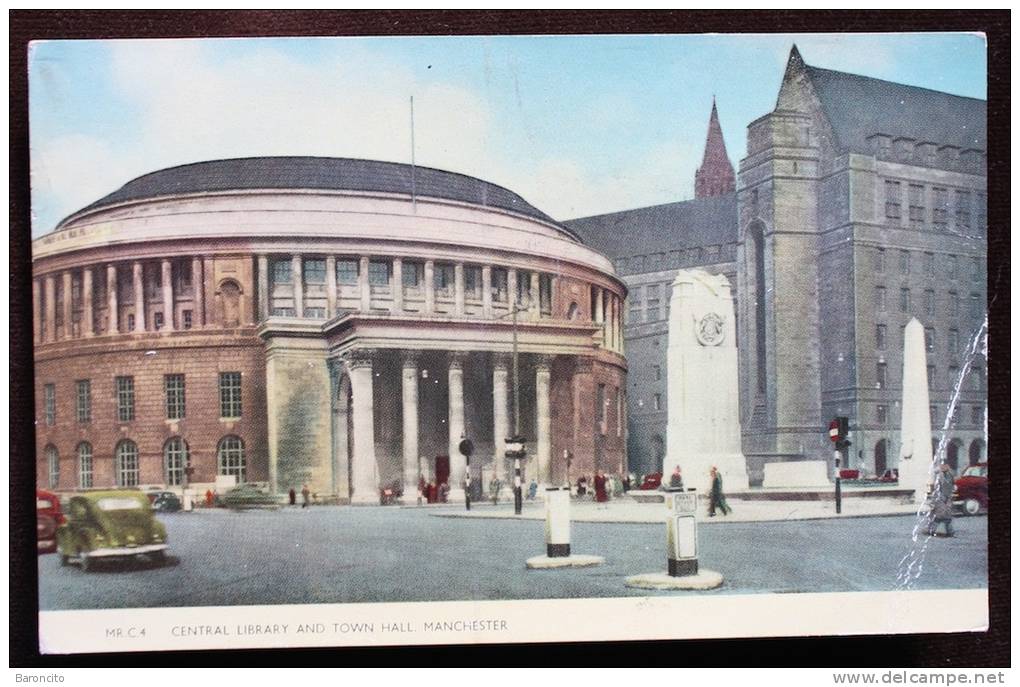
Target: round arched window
{"x": 175, "y": 459}
{"x": 85, "y": 465}
{"x": 53, "y": 466}
{"x": 127, "y": 464}
{"x": 230, "y": 457}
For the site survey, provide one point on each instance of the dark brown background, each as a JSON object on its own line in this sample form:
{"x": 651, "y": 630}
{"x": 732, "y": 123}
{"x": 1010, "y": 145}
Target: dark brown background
{"x": 971, "y": 649}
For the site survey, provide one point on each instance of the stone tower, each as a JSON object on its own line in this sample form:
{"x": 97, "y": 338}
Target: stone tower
{"x": 715, "y": 177}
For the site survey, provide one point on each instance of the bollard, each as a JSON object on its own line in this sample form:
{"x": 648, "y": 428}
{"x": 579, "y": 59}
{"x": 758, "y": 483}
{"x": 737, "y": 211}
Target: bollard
{"x": 557, "y": 521}
{"x": 681, "y": 532}
{"x": 187, "y": 506}
{"x": 682, "y": 570}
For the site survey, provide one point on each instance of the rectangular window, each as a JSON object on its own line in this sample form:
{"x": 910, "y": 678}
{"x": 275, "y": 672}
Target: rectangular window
{"x": 157, "y": 320}
{"x": 904, "y": 300}
{"x": 412, "y": 274}
{"x": 977, "y": 415}
{"x": 931, "y": 376}
{"x": 929, "y": 302}
{"x": 904, "y": 262}
{"x": 315, "y": 312}
{"x": 882, "y": 414}
{"x": 956, "y": 415}
{"x": 523, "y": 289}
{"x": 230, "y": 394}
{"x": 652, "y": 302}
{"x": 963, "y": 210}
{"x": 83, "y": 400}
{"x": 954, "y": 376}
{"x": 443, "y": 279}
{"x": 657, "y": 372}
{"x": 977, "y": 376}
{"x": 976, "y": 307}
{"x": 917, "y": 210}
{"x": 940, "y": 208}
{"x": 499, "y": 285}
{"x": 954, "y": 303}
{"x": 184, "y": 274}
{"x": 880, "y": 375}
{"x": 173, "y": 386}
{"x": 929, "y": 339}
{"x": 892, "y": 200}
{"x": 347, "y": 272}
{"x": 125, "y": 398}
{"x": 878, "y": 260}
{"x": 281, "y": 311}
{"x": 472, "y": 282}
{"x": 50, "y": 404}
{"x": 880, "y": 298}
{"x": 281, "y": 271}
{"x": 929, "y": 265}
{"x": 186, "y": 319}
{"x": 953, "y": 271}
{"x": 379, "y": 273}
{"x": 131, "y": 322}
{"x": 314, "y": 271}
{"x": 975, "y": 269}
{"x": 85, "y": 465}
{"x": 880, "y": 337}
{"x": 545, "y": 294}
{"x": 953, "y": 343}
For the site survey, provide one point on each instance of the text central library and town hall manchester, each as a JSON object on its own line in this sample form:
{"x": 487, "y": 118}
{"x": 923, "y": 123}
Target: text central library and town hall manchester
{"x": 344, "y": 323}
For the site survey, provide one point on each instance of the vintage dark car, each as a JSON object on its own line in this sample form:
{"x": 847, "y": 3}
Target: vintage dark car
{"x": 48, "y": 519}
{"x": 165, "y": 501}
{"x": 971, "y": 492}
{"x": 652, "y": 481}
{"x": 110, "y": 525}
{"x": 245, "y": 496}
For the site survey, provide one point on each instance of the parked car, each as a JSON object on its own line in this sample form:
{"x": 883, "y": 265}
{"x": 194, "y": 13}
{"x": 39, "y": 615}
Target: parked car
{"x": 48, "y": 518}
{"x": 165, "y": 501}
{"x": 245, "y": 496}
{"x": 971, "y": 492}
{"x": 109, "y": 525}
{"x": 892, "y": 475}
{"x": 652, "y": 481}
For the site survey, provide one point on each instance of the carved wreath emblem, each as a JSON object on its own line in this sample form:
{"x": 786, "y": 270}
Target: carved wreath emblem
{"x": 710, "y": 330}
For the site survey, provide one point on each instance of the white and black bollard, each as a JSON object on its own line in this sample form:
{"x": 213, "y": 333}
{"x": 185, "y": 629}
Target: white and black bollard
{"x": 682, "y": 570}
{"x": 557, "y": 535}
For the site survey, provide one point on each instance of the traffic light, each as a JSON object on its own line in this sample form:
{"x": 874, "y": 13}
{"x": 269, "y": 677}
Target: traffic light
{"x": 842, "y": 430}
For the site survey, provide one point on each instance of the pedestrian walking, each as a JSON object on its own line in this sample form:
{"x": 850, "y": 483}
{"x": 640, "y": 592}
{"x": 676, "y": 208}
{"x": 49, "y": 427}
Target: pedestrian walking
{"x": 717, "y": 498}
{"x": 601, "y": 496}
{"x": 676, "y": 480}
{"x": 941, "y": 502}
{"x": 532, "y": 489}
{"x": 304, "y": 496}
{"x": 291, "y": 496}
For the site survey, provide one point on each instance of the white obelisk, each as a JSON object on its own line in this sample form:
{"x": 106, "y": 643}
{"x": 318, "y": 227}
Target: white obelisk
{"x": 703, "y": 417}
{"x": 915, "y": 465}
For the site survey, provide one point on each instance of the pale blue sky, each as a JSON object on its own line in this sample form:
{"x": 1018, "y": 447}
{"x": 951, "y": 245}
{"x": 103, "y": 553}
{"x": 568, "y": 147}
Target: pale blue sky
{"x": 578, "y": 125}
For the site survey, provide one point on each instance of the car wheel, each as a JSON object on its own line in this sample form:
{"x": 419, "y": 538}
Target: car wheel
{"x": 64, "y": 561}
{"x": 87, "y": 564}
{"x": 159, "y": 558}
{"x": 972, "y": 506}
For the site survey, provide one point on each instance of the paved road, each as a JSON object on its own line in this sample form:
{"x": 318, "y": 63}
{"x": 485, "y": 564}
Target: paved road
{"x": 344, "y": 554}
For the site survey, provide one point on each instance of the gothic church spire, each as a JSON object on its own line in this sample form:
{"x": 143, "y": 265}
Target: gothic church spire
{"x": 715, "y": 177}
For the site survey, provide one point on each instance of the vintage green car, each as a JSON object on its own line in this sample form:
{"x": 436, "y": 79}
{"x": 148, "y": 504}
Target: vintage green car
{"x": 105, "y": 525}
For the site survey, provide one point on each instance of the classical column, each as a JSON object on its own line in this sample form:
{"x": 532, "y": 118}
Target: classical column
{"x": 139, "y": 297}
{"x": 112, "y": 307}
{"x": 365, "y": 489}
{"x": 330, "y": 286}
{"x": 363, "y": 285}
{"x": 430, "y": 286}
{"x": 168, "y": 295}
{"x": 67, "y": 305}
{"x": 409, "y": 386}
{"x": 455, "y": 423}
{"x": 487, "y": 291}
{"x": 51, "y": 308}
{"x": 36, "y": 312}
{"x": 208, "y": 286}
{"x": 534, "y": 306}
{"x": 398, "y": 286}
{"x": 543, "y": 440}
{"x": 583, "y": 390}
{"x": 298, "y": 282}
{"x": 263, "y": 286}
{"x": 87, "y": 315}
{"x": 500, "y": 414}
{"x": 198, "y": 292}
{"x": 458, "y": 288}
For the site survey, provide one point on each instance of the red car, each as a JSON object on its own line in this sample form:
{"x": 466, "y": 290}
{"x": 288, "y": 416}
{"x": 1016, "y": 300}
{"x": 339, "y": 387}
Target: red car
{"x": 48, "y": 519}
{"x": 971, "y": 493}
{"x": 652, "y": 481}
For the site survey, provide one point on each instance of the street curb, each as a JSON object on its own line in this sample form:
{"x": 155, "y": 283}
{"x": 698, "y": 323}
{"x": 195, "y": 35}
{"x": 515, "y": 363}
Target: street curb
{"x": 659, "y": 522}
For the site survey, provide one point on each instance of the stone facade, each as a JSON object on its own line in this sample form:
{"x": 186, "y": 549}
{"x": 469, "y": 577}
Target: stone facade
{"x": 340, "y": 336}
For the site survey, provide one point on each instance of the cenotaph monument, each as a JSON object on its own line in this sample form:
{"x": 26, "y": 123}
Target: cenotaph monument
{"x": 915, "y": 465}
{"x": 703, "y": 418}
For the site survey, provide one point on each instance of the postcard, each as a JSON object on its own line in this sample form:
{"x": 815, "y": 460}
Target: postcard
{"x": 463, "y": 339}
